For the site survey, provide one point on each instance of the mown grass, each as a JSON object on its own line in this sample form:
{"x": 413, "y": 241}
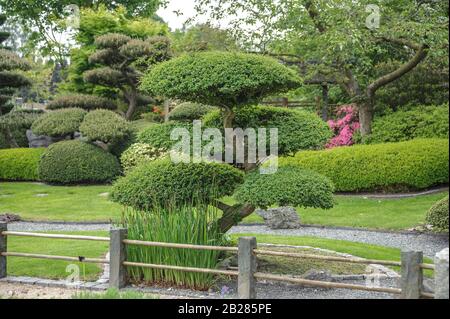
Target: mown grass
{"x": 113, "y": 294}
{"x": 55, "y": 269}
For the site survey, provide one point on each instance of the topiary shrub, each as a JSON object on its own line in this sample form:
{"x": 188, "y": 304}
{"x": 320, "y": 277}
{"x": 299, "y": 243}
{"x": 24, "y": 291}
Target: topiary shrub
{"x": 297, "y": 130}
{"x": 410, "y": 165}
{"x": 105, "y": 126}
{"x": 306, "y": 189}
{"x": 421, "y": 122}
{"x": 438, "y": 216}
{"x": 59, "y": 123}
{"x": 189, "y": 112}
{"x": 20, "y": 164}
{"x": 70, "y": 162}
{"x": 139, "y": 153}
{"x": 83, "y": 101}
{"x": 158, "y": 135}
{"x": 18, "y": 122}
{"x": 162, "y": 183}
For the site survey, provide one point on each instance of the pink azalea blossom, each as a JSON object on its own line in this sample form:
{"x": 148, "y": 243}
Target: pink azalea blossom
{"x": 344, "y": 127}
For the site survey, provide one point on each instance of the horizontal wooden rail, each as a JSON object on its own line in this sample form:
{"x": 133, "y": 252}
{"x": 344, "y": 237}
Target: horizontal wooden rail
{"x": 325, "y": 284}
{"x": 58, "y": 236}
{"x": 65, "y": 258}
{"x": 427, "y": 295}
{"x": 427, "y": 266}
{"x": 173, "y": 245}
{"x": 328, "y": 258}
{"x": 180, "y": 268}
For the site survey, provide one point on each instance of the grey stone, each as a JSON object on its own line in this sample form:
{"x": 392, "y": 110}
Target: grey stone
{"x": 412, "y": 274}
{"x": 38, "y": 141}
{"x": 318, "y": 275}
{"x": 247, "y": 268}
{"x": 441, "y": 262}
{"x": 280, "y": 218}
{"x": 8, "y": 218}
{"x": 228, "y": 262}
{"x": 118, "y": 254}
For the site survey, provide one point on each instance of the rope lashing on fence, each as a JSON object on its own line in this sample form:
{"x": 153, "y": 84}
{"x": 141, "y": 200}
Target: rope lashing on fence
{"x": 65, "y": 258}
{"x": 173, "y": 245}
{"x": 325, "y": 284}
{"x": 188, "y": 269}
{"x": 55, "y": 236}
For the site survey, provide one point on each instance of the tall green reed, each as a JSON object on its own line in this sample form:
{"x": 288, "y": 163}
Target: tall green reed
{"x": 191, "y": 223}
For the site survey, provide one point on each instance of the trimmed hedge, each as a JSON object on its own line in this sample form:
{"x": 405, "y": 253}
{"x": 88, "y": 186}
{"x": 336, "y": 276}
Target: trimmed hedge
{"x": 70, "y": 162}
{"x": 160, "y": 183}
{"x": 189, "y": 111}
{"x": 105, "y": 126}
{"x": 422, "y": 122}
{"x": 289, "y": 186}
{"x": 83, "y": 101}
{"x": 438, "y": 216}
{"x": 410, "y": 165}
{"x": 59, "y": 123}
{"x": 158, "y": 135}
{"x": 20, "y": 164}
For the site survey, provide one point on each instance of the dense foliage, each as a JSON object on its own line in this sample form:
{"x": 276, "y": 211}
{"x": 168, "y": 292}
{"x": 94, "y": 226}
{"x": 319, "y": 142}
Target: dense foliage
{"x": 16, "y": 123}
{"x": 297, "y": 130}
{"x": 162, "y": 183}
{"x": 105, "y": 126}
{"x": 438, "y": 216}
{"x": 158, "y": 135}
{"x": 83, "y": 101}
{"x": 416, "y": 164}
{"x": 420, "y": 122}
{"x": 189, "y": 111}
{"x": 289, "y": 186}
{"x": 139, "y": 153}
{"x": 219, "y": 78}
{"x": 59, "y": 123}
{"x": 71, "y": 162}
{"x": 20, "y": 164}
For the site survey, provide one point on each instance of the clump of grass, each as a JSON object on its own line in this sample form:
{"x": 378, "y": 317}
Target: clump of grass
{"x": 113, "y": 294}
{"x": 193, "y": 223}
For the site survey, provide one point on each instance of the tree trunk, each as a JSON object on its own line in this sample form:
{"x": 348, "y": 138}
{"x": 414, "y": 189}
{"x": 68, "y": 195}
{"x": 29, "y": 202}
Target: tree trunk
{"x": 365, "y": 117}
{"x": 233, "y": 215}
{"x": 132, "y": 104}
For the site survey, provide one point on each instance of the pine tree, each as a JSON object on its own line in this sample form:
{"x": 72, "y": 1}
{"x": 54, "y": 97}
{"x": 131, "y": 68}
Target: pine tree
{"x": 10, "y": 80}
{"x": 122, "y": 60}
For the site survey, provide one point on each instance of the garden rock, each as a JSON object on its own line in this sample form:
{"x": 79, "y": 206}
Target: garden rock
{"x": 8, "y": 218}
{"x": 35, "y": 141}
{"x": 318, "y": 275}
{"x": 280, "y": 218}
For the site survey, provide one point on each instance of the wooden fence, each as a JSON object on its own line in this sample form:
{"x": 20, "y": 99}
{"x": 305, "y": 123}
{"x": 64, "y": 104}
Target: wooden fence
{"x": 411, "y": 264}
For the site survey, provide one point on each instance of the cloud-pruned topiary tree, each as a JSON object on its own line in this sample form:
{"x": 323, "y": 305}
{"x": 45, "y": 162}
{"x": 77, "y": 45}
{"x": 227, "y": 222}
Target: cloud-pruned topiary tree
{"x": 59, "y": 123}
{"x": 10, "y": 80}
{"x": 231, "y": 81}
{"x": 84, "y": 101}
{"x": 121, "y": 61}
{"x": 189, "y": 111}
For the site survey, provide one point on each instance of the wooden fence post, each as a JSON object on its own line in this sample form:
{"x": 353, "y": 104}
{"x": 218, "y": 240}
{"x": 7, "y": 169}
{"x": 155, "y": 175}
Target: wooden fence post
{"x": 247, "y": 268}
{"x": 441, "y": 275}
{"x": 117, "y": 255}
{"x": 412, "y": 274}
{"x": 3, "y": 249}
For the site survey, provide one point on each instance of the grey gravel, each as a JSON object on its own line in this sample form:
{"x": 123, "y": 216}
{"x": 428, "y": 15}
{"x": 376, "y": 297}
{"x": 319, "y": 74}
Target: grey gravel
{"x": 29, "y": 226}
{"x": 430, "y": 244}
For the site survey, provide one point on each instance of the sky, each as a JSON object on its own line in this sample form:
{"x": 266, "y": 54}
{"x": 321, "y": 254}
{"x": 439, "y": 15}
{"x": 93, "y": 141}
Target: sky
{"x": 186, "y": 7}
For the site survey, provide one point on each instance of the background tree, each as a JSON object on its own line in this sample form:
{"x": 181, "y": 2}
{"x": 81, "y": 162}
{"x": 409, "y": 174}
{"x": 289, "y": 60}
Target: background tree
{"x": 122, "y": 61}
{"x": 10, "y": 79}
{"x": 341, "y": 40}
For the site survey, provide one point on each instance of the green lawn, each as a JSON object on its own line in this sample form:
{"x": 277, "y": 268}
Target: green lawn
{"x": 394, "y": 214}
{"x": 55, "y": 269}
{"x": 60, "y": 203}
{"x": 90, "y": 203}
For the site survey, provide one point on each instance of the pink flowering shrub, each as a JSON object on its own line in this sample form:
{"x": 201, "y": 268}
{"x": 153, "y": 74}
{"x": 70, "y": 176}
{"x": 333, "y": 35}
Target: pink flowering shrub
{"x": 344, "y": 127}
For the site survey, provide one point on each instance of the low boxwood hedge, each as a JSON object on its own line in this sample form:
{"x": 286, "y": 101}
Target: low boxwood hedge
{"x": 20, "y": 164}
{"x": 70, "y": 162}
{"x": 438, "y": 216}
{"x": 411, "y": 165}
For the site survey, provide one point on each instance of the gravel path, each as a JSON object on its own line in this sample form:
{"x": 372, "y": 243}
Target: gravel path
{"x": 428, "y": 243}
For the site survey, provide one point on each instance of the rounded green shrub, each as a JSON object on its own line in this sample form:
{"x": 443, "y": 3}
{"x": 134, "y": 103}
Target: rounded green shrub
{"x": 158, "y": 135}
{"x": 59, "y": 123}
{"x": 161, "y": 183}
{"x": 139, "y": 153}
{"x": 438, "y": 216}
{"x": 20, "y": 164}
{"x": 297, "y": 130}
{"x": 289, "y": 186}
{"x": 83, "y": 101}
{"x": 411, "y": 165}
{"x": 70, "y": 162}
{"x": 189, "y": 111}
{"x": 105, "y": 126}
{"x": 18, "y": 122}
{"x": 219, "y": 78}
{"x": 421, "y": 122}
